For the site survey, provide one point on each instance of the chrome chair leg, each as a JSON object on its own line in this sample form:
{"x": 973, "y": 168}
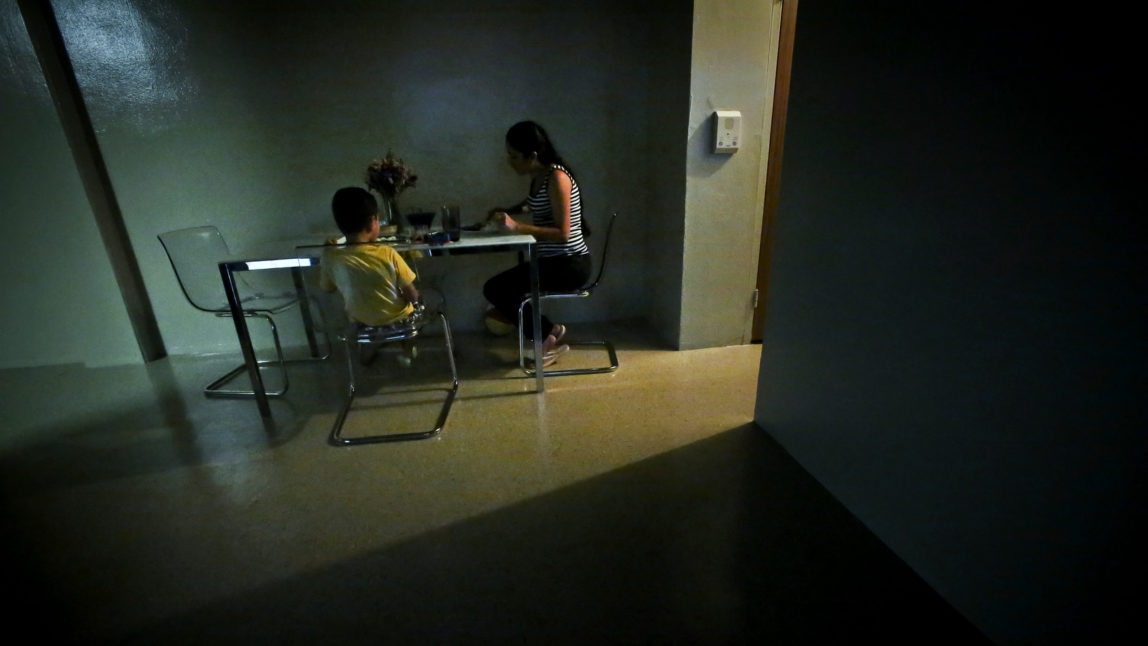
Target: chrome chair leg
{"x": 449, "y": 341}
{"x": 337, "y": 439}
{"x": 609, "y": 347}
{"x": 327, "y": 336}
{"x": 583, "y": 292}
{"x": 215, "y": 388}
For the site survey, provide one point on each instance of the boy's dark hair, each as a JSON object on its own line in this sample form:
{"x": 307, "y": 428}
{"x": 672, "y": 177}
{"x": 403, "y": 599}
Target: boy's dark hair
{"x": 353, "y": 208}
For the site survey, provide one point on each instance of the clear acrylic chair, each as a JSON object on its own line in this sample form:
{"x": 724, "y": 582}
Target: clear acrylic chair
{"x": 194, "y": 253}
{"x": 584, "y": 292}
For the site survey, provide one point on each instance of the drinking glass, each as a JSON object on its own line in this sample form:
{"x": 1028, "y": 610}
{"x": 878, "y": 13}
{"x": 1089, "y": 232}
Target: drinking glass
{"x": 451, "y": 221}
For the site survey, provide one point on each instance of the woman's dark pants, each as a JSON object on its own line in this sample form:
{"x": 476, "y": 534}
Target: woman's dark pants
{"x": 507, "y": 290}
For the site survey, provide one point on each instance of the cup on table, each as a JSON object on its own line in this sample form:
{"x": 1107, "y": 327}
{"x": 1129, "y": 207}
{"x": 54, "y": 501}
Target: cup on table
{"x": 451, "y": 221}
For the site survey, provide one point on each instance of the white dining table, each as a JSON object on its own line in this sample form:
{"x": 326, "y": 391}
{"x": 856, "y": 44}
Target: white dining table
{"x": 296, "y": 256}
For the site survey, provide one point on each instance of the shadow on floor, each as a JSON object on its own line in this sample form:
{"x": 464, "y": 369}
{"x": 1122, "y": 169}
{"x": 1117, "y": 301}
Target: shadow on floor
{"x": 726, "y": 540}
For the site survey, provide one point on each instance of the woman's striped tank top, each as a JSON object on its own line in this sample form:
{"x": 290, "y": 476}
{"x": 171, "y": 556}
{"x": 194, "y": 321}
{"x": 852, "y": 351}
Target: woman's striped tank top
{"x": 543, "y": 216}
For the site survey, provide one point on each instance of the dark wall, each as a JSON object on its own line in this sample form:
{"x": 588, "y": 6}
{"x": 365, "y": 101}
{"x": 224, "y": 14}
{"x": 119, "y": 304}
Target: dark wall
{"x": 955, "y": 336}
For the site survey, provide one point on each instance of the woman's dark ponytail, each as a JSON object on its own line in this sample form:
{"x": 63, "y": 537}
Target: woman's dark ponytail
{"x": 528, "y": 137}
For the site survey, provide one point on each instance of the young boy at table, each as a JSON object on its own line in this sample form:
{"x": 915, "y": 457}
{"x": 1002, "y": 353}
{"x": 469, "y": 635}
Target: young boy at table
{"x": 376, "y": 283}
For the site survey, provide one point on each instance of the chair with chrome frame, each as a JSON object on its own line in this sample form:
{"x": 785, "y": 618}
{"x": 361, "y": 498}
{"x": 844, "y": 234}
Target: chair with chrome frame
{"x": 193, "y": 253}
{"x": 359, "y": 339}
{"x": 584, "y": 292}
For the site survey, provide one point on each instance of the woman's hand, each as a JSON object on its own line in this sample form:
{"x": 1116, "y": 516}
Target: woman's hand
{"x": 503, "y": 221}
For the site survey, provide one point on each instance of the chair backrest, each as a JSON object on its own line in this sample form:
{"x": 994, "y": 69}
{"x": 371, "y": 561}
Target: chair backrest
{"x": 194, "y": 254}
{"x": 605, "y": 249}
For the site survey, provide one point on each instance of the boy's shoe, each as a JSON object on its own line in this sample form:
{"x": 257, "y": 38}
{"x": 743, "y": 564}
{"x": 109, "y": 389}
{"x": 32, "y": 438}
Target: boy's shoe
{"x": 408, "y": 354}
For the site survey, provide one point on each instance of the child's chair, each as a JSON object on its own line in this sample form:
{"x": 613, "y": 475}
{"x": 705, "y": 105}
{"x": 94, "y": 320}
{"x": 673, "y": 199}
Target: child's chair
{"x": 360, "y": 337}
{"x": 361, "y": 340}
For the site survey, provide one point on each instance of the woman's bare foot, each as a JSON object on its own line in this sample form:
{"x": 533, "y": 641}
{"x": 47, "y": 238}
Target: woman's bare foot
{"x": 552, "y": 347}
{"x": 558, "y": 331}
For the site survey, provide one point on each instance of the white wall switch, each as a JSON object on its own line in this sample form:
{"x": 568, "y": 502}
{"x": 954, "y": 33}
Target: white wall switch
{"x": 727, "y": 131}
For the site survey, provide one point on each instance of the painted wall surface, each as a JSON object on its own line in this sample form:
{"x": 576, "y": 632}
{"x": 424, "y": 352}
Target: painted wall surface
{"x": 734, "y": 48}
{"x": 955, "y": 341}
{"x": 60, "y": 300}
{"x": 250, "y": 115}
{"x": 663, "y": 226}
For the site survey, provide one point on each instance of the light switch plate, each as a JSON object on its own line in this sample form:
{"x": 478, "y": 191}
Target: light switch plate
{"x": 727, "y": 131}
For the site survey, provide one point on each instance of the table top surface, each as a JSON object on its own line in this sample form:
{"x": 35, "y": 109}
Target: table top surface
{"x": 302, "y": 253}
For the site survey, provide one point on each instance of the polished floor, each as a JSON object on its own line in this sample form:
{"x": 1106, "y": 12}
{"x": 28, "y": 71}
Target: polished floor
{"x": 636, "y": 507}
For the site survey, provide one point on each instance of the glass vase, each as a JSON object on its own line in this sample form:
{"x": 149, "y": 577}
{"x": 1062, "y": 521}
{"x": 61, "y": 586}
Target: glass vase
{"x": 388, "y": 211}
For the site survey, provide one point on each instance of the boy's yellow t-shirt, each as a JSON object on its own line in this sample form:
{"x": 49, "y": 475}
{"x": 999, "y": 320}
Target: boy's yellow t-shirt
{"x": 368, "y": 277}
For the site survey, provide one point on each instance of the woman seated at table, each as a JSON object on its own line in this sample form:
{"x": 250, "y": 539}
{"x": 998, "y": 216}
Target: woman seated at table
{"x": 554, "y": 207}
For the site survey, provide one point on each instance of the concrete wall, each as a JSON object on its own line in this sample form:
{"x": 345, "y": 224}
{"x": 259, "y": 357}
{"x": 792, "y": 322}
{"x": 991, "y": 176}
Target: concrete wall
{"x": 60, "y": 303}
{"x": 249, "y": 115}
{"x": 664, "y": 224}
{"x": 955, "y": 341}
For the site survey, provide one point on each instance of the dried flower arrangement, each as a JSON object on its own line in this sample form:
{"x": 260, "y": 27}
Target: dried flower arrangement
{"x": 389, "y": 176}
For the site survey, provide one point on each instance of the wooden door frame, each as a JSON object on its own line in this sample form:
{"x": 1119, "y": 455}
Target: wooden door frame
{"x": 773, "y": 163}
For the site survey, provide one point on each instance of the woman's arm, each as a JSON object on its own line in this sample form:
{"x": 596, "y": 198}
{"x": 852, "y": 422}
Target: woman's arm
{"x": 559, "y": 193}
{"x": 518, "y": 209}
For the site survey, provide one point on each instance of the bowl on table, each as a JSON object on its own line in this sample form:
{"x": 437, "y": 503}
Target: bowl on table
{"x": 421, "y": 220}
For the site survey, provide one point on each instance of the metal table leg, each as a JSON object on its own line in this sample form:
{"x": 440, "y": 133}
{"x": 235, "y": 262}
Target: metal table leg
{"x": 536, "y": 308}
{"x": 305, "y": 311}
{"x": 244, "y": 339}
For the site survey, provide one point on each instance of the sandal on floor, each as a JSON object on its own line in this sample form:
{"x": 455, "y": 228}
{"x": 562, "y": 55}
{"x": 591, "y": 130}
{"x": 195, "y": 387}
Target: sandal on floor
{"x": 550, "y": 357}
{"x": 547, "y": 361}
